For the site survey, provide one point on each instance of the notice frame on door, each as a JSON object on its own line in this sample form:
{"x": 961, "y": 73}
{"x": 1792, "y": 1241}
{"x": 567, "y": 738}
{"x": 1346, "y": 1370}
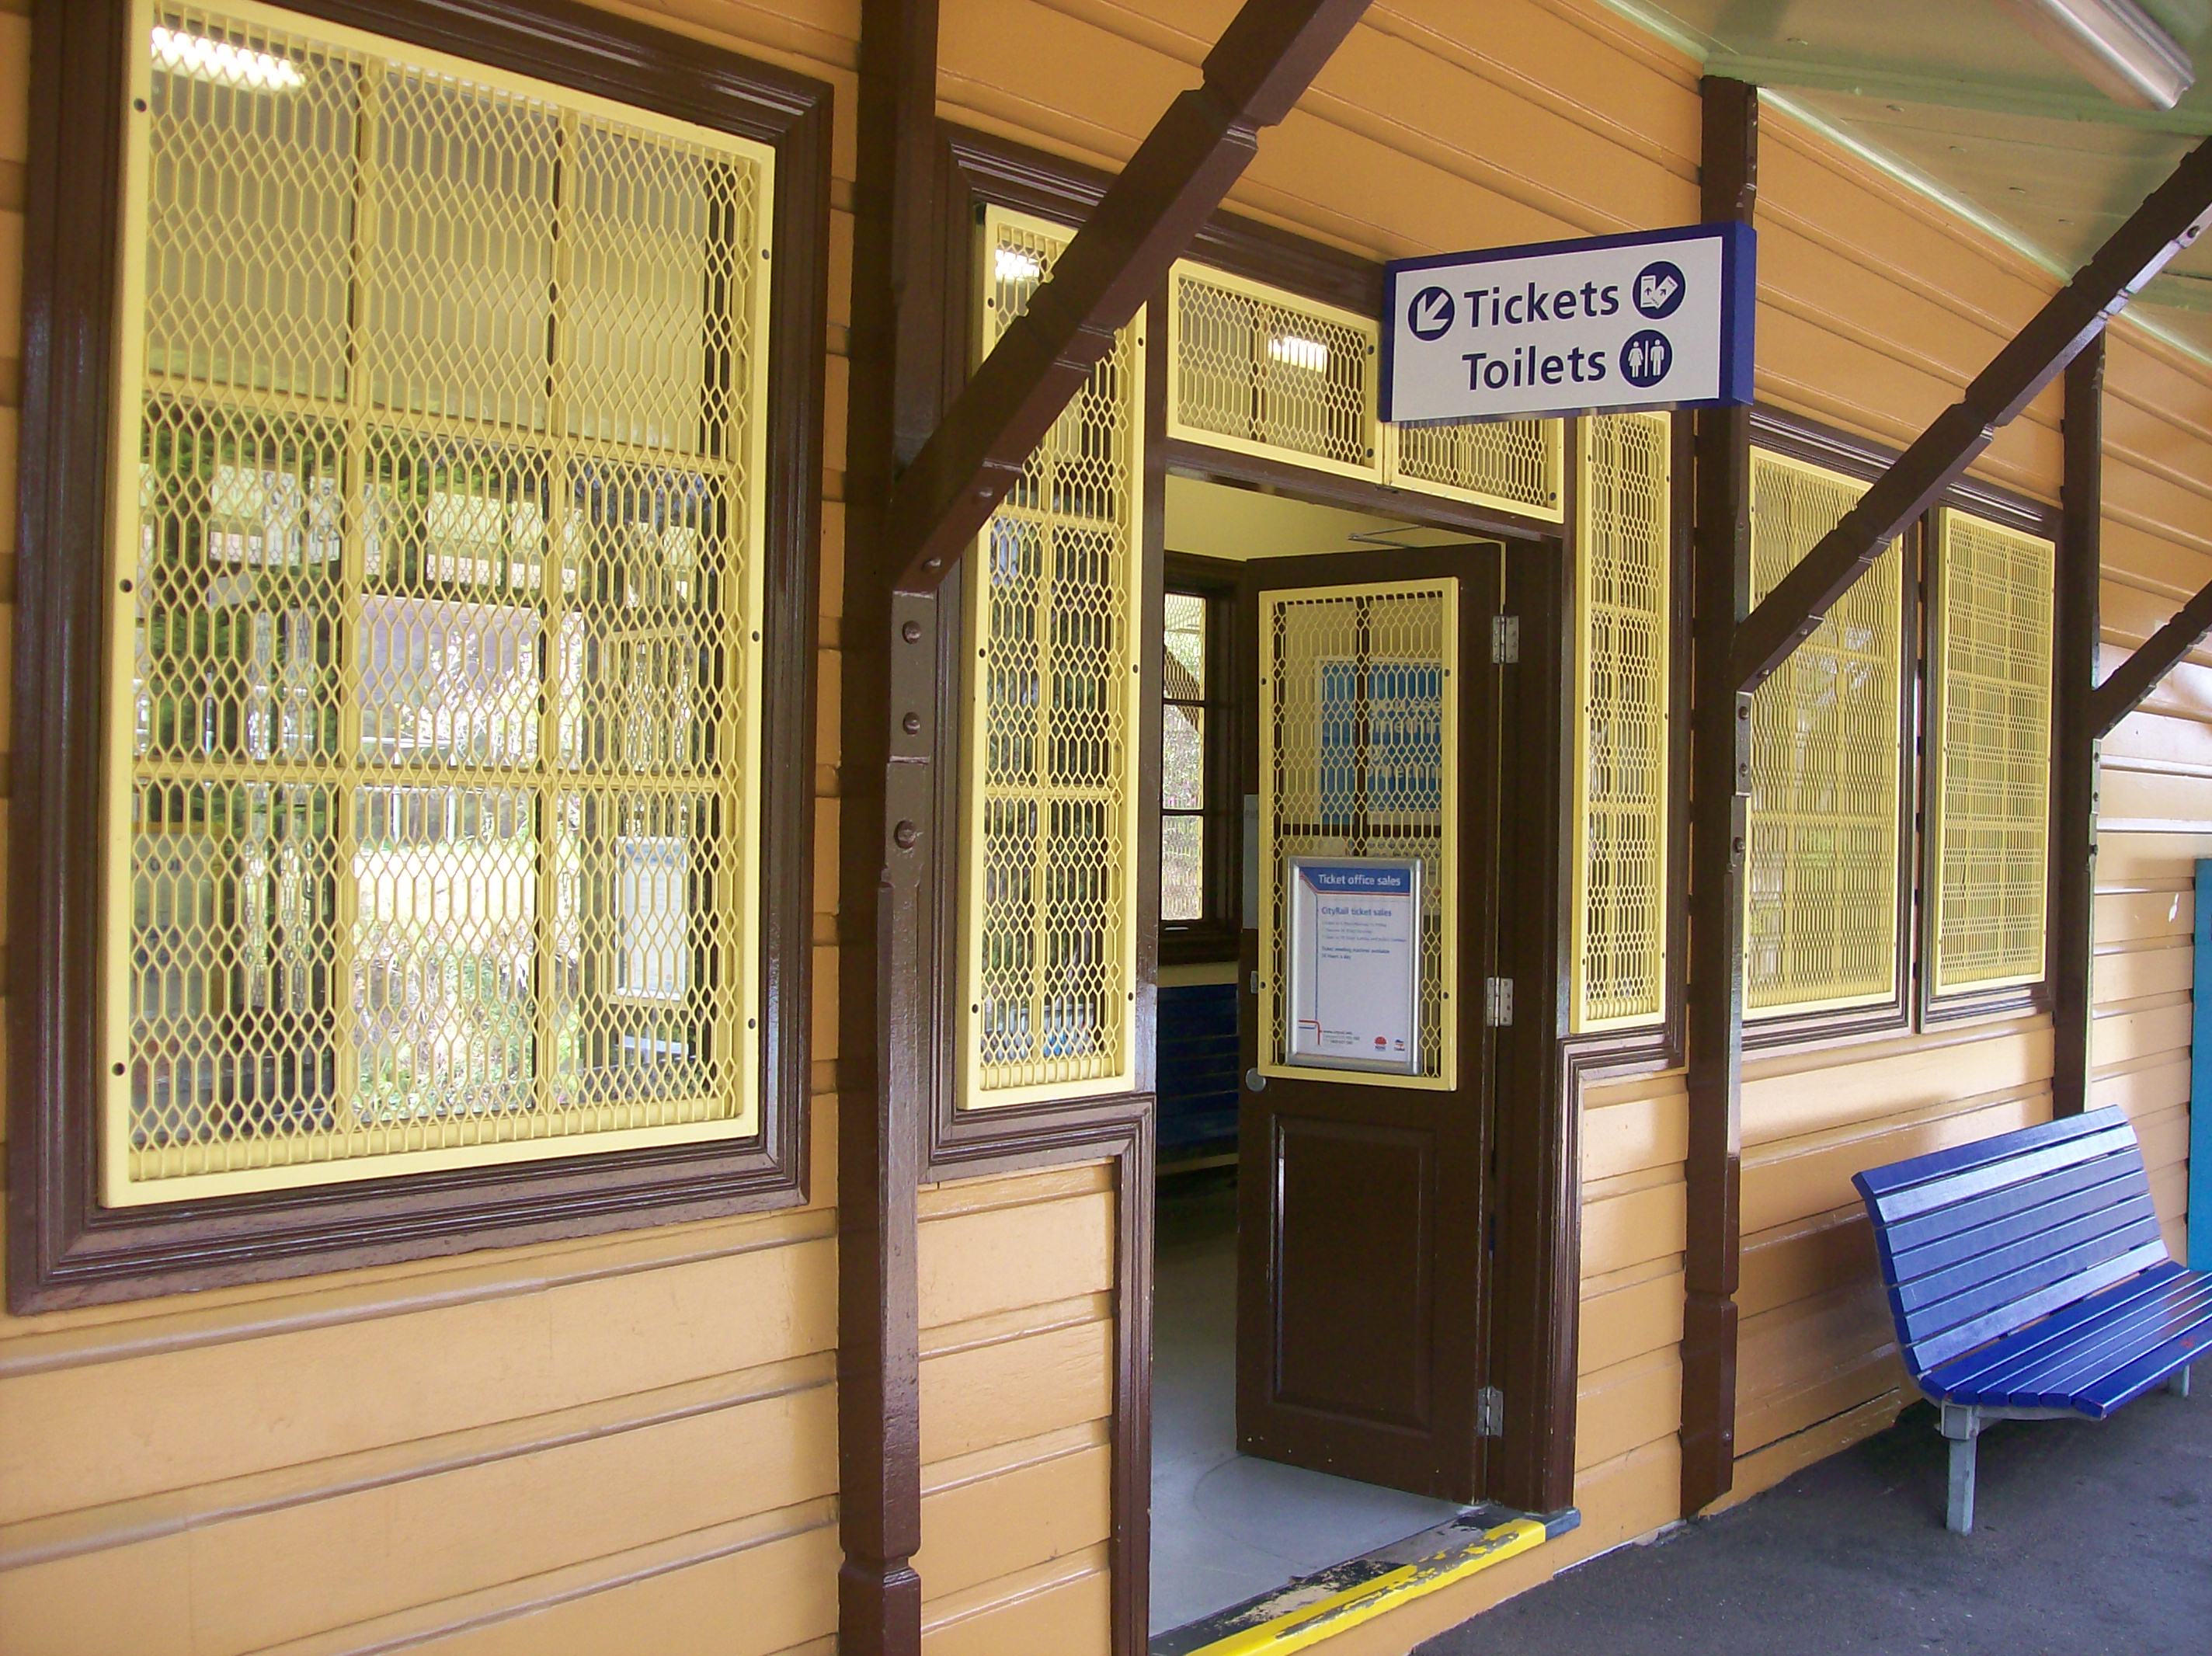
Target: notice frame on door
{"x": 1354, "y": 963}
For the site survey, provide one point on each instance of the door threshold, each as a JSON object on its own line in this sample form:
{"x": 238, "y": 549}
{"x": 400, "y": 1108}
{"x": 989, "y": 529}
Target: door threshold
{"x": 1303, "y": 1612}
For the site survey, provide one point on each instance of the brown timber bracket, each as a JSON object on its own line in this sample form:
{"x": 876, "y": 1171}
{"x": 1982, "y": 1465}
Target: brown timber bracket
{"x": 2157, "y": 655}
{"x": 1265, "y": 59}
{"x": 2169, "y": 219}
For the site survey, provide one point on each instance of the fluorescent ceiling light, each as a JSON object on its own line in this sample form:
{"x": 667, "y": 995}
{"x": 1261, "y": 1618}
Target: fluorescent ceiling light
{"x": 1011, "y": 264}
{"x": 1298, "y": 351}
{"x": 220, "y": 61}
{"x": 2115, "y": 46}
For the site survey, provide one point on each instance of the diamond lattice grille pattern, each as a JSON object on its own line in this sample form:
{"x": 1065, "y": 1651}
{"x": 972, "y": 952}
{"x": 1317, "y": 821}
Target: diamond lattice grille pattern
{"x": 1821, "y": 915}
{"x": 1513, "y": 463}
{"x": 1270, "y": 372}
{"x": 1051, "y": 878}
{"x": 1623, "y": 540}
{"x": 1357, "y": 734}
{"x": 1991, "y": 790}
{"x": 442, "y": 655}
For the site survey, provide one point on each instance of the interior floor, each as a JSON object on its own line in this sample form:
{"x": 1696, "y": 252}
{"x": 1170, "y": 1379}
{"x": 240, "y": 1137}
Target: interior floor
{"x": 1227, "y": 1526}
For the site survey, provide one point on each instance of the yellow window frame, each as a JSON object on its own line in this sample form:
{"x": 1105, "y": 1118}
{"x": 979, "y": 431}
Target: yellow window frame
{"x": 1816, "y": 851}
{"x": 1000, "y": 1005}
{"x": 1294, "y": 335}
{"x": 1441, "y": 890}
{"x": 1989, "y": 767}
{"x": 1623, "y": 723}
{"x": 338, "y": 1154}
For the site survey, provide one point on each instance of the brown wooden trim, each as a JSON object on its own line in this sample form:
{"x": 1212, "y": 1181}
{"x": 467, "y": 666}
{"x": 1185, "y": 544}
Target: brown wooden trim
{"x": 2165, "y": 223}
{"x": 1535, "y": 1275}
{"x": 1214, "y": 939}
{"x": 65, "y": 1248}
{"x": 1266, "y": 58}
{"x": 1720, "y": 746}
{"x": 2071, "y": 920}
{"x": 1187, "y": 457}
{"x": 898, "y": 300}
{"x": 1130, "y": 1557}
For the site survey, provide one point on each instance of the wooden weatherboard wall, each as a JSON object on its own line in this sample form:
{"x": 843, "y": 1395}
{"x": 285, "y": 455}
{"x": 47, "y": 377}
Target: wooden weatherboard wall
{"x": 626, "y": 1440}
{"x": 537, "y": 1445}
{"x": 1875, "y": 311}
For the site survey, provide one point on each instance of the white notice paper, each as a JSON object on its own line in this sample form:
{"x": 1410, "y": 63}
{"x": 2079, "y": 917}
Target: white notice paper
{"x": 1355, "y": 977}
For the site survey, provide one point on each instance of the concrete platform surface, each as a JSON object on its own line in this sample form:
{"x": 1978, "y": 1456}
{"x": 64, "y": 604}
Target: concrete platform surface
{"x": 2087, "y": 1539}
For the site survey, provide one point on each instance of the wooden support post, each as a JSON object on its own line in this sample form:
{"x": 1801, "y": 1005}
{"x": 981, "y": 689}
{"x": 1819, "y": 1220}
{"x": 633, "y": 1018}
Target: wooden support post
{"x": 897, "y": 323}
{"x": 2169, "y": 220}
{"x": 1266, "y": 58}
{"x": 1720, "y": 786}
{"x": 2071, "y": 923}
{"x": 921, "y": 485}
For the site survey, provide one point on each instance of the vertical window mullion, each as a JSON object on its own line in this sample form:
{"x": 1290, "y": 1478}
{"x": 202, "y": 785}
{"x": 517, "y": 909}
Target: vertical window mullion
{"x": 349, "y": 638}
{"x": 559, "y": 486}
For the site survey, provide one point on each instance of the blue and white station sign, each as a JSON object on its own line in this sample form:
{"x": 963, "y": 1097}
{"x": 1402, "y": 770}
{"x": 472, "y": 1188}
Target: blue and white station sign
{"x": 1659, "y": 320}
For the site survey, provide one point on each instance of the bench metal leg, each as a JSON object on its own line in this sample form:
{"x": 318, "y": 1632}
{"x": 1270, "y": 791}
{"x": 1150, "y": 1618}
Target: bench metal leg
{"x": 2180, "y": 1383}
{"x": 1962, "y": 1426}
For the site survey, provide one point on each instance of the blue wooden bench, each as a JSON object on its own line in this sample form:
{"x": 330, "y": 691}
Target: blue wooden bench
{"x": 2029, "y": 1280}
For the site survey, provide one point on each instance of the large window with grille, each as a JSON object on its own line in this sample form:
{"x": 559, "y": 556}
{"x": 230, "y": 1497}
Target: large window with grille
{"x": 433, "y": 774}
{"x": 1988, "y": 787}
{"x": 1051, "y": 794}
{"x": 1623, "y": 546}
{"x": 1821, "y": 867}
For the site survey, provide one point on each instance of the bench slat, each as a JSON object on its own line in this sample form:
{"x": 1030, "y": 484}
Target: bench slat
{"x": 1925, "y": 1195}
{"x": 2125, "y": 1385}
{"x": 2000, "y": 1293}
{"x": 2111, "y": 1360}
{"x": 1917, "y": 1170}
{"x": 1925, "y": 1353}
{"x": 2085, "y": 1371}
{"x": 1994, "y": 1368}
{"x": 1936, "y": 1240}
{"x": 2069, "y": 1246}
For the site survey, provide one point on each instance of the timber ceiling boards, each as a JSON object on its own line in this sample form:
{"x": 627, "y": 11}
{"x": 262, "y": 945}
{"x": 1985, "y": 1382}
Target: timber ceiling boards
{"x": 1961, "y": 99}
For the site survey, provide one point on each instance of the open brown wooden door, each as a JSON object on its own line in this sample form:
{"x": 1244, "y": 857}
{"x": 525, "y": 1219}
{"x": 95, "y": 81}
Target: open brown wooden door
{"x": 1364, "y": 1225}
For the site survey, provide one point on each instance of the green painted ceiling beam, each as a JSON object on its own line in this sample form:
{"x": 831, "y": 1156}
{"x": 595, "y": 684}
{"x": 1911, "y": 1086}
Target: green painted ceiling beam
{"x": 1943, "y": 92}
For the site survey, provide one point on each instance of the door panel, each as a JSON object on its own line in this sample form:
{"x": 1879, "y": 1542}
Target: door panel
{"x": 1353, "y": 1330}
{"x": 1363, "y": 1233}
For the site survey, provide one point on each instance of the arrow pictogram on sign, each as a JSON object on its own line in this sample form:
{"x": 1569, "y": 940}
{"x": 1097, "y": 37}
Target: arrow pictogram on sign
{"x": 1430, "y": 316}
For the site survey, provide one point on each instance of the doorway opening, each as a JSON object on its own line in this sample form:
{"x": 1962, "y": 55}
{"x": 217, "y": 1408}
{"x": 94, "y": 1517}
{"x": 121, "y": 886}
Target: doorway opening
{"x": 1326, "y": 1205}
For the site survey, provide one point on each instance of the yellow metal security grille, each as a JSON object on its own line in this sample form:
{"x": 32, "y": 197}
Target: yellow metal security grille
{"x": 1516, "y": 464}
{"x": 1820, "y": 914}
{"x": 1991, "y": 693}
{"x": 1256, "y": 369}
{"x": 1621, "y": 739}
{"x": 1050, "y": 878}
{"x": 435, "y": 657}
{"x": 1359, "y": 746}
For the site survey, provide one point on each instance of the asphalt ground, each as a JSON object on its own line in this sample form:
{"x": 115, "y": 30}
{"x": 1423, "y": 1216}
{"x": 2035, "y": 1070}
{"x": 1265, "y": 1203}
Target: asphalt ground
{"x": 2089, "y": 1538}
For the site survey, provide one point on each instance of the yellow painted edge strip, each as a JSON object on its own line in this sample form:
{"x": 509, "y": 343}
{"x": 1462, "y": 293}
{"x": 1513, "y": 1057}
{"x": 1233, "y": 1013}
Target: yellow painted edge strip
{"x": 1310, "y": 1624}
